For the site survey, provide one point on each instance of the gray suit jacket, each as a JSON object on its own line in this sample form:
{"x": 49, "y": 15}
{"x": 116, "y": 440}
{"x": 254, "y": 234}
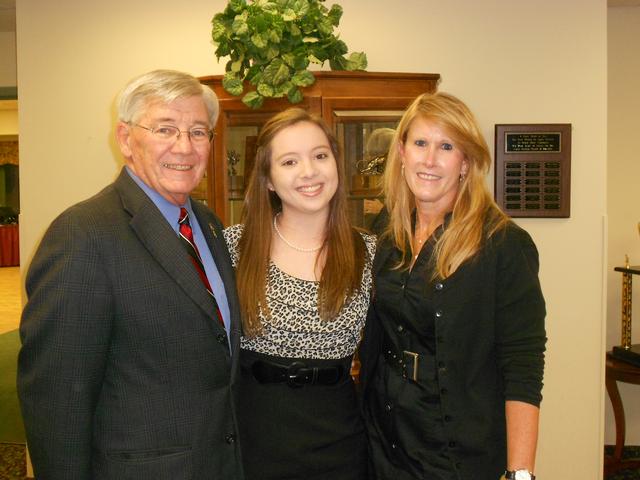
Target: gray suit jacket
{"x": 123, "y": 371}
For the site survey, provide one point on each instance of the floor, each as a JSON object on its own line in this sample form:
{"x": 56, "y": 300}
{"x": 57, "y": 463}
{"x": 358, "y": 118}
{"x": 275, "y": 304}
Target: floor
{"x": 10, "y": 298}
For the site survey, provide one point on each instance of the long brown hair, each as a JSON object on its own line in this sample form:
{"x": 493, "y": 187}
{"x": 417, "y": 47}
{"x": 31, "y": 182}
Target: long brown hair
{"x": 343, "y": 246}
{"x": 475, "y": 215}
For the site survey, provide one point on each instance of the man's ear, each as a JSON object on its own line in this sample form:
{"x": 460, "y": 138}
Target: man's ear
{"x": 123, "y": 137}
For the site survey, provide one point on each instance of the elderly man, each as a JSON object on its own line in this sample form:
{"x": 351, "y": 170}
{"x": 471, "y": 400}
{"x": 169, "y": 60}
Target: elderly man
{"x": 130, "y": 335}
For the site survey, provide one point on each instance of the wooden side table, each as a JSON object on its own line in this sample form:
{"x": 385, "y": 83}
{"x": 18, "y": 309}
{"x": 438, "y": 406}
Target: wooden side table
{"x": 619, "y": 371}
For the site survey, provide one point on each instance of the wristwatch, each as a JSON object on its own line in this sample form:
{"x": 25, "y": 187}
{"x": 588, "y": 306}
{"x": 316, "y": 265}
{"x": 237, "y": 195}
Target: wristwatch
{"x": 519, "y": 475}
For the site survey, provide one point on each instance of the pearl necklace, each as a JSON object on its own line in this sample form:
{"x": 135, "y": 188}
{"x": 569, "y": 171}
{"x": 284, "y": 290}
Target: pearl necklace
{"x": 299, "y": 249}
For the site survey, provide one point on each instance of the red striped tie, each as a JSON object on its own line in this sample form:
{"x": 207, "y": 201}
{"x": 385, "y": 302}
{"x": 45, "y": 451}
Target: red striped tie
{"x": 186, "y": 236}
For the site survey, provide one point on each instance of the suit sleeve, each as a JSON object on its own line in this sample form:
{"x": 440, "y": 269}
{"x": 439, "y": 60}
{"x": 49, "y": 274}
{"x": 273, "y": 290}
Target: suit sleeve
{"x": 520, "y": 313}
{"x": 65, "y": 332}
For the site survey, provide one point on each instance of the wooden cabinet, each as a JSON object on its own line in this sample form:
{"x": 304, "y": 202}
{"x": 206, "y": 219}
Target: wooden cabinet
{"x": 361, "y": 107}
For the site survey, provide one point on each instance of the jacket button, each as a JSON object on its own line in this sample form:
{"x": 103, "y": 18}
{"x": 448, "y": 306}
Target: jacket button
{"x": 229, "y": 438}
{"x": 452, "y": 444}
{"x": 400, "y": 328}
{"x": 447, "y": 418}
{"x": 439, "y": 286}
{"x": 221, "y": 338}
{"x": 444, "y": 391}
{"x": 388, "y": 407}
{"x": 438, "y": 313}
{"x": 394, "y": 446}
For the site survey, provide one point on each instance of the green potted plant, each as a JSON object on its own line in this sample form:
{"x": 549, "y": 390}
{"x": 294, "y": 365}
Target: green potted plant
{"x": 271, "y": 44}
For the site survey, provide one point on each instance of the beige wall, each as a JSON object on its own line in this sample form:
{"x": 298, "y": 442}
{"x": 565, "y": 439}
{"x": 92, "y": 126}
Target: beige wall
{"x": 8, "y": 117}
{"x": 623, "y": 191}
{"x": 513, "y": 62}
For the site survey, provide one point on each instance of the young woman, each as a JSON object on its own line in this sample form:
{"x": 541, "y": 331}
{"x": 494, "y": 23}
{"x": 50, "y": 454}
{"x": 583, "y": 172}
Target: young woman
{"x": 304, "y": 280}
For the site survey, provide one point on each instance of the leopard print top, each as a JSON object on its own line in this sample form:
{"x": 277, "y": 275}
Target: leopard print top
{"x": 295, "y": 329}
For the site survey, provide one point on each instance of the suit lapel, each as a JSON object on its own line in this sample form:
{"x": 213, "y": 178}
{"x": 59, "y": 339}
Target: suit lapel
{"x": 162, "y": 242}
{"x": 212, "y": 231}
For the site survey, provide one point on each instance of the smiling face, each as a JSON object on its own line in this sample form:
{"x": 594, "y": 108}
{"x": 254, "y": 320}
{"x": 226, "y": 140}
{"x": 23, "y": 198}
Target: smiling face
{"x": 173, "y": 168}
{"x": 303, "y": 170}
{"x": 432, "y": 166}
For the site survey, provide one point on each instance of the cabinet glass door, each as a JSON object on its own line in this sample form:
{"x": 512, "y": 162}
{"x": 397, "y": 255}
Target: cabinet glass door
{"x": 365, "y": 137}
{"x": 241, "y": 151}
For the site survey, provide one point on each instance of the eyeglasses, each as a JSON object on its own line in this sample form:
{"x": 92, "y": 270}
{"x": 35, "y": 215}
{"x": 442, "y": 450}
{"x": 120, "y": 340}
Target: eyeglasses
{"x": 171, "y": 133}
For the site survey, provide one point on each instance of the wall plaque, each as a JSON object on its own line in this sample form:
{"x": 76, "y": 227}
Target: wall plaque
{"x": 533, "y": 169}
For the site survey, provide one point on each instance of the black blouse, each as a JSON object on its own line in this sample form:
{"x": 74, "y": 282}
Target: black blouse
{"x": 440, "y": 358}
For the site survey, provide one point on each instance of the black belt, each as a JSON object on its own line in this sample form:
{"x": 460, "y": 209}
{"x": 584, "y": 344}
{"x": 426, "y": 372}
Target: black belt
{"x": 405, "y": 363}
{"x": 296, "y": 374}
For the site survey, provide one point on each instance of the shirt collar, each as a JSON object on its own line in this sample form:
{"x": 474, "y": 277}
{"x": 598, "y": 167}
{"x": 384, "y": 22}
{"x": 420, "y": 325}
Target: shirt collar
{"x": 169, "y": 211}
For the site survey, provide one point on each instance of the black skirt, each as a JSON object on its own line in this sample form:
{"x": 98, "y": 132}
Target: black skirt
{"x": 308, "y": 432}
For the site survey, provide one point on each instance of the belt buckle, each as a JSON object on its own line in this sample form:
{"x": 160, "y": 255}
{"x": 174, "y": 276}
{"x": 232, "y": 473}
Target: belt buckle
{"x": 293, "y": 372}
{"x": 410, "y": 364}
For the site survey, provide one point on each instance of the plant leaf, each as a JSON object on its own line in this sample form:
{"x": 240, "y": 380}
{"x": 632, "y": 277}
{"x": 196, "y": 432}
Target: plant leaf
{"x": 288, "y": 15}
{"x": 218, "y": 27}
{"x": 259, "y": 40}
{"x": 254, "y": 74}
{"x": 265, "y": 89}
{"x": 223, "y": 50}
{"x": 237, "y": 5}
{"x": 239, "y": 26}
{"x": 335, "y": 14}
{"x": 357, "y": 61}
{"x": 276, "y": 72}
{"x": 324, "y": 26}
{"x": 303, "y": 78}
{"x": 295, "y": 30}
{"x": 232, "y": 84}
{"x": 283, "y": 89}
{"x": 338, "y": 63}
{"x": 269, "y": 7}
{"x": 274, "y": 36}
{"x": 271, "y": 53}
{"x": 295, "y": 95}
{"x": 236, "y": 66}
{"x": 253, "y": 100}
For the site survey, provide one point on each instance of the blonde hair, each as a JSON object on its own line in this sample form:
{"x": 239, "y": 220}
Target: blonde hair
{"x": 475, "y": 216}
{"x": 343, "y": 246}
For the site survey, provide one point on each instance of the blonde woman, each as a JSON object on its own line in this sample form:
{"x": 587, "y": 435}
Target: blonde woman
{"x": 304, "y": 280}
{"x": 453, "y": 352}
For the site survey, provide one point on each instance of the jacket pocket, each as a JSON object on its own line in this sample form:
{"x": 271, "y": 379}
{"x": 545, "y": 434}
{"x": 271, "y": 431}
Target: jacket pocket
{"x": 168, "y": 463}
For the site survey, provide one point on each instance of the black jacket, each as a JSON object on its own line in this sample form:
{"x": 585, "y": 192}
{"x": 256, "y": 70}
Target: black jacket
{"x": 489, "y": 348}
{"x": 123, "y": 372}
